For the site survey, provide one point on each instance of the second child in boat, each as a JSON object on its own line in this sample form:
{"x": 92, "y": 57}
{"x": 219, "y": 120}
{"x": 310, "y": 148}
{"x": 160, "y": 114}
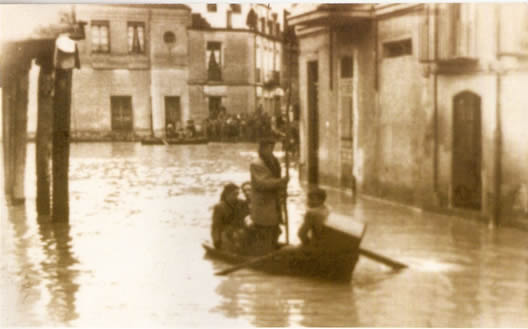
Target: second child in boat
{"x": 312, "y": 230}
{"x": 228, "y": 229}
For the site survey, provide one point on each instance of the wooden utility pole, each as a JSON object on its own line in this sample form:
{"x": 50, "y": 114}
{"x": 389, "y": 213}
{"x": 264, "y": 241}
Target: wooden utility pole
{"x": 61, "y": 143}
{"x": 19, "y": 133}
{"x": 7, "y": 121}
{"x": 44, "y": 133}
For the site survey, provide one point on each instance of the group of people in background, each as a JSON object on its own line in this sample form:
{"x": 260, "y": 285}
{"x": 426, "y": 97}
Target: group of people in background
{"x": 252, "y": 127}
{"x": 241, "y": 127}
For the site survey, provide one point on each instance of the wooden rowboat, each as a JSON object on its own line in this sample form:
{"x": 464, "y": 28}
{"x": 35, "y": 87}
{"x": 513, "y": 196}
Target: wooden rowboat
{"x": 298, "y": 261}
{"x": 173, "y": 141}
{"x": 334, "y": 259}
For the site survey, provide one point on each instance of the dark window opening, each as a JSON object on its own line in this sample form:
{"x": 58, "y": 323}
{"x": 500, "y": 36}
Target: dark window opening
{"x": 169, "y": 37}
{"x": 214, "y": 60}
{"x": 215, "y": 103}
{"x": 270, "y": 27}
{"x": 397, "y": 48}
{"x": 235, "y": 8}
{"x": 262, "y": 25}
{"x": 229, "y": 18}
{"x": 211, "y": 7}
{"x": 347, "y": 67}
{"x": 100, "y": 37}
{"x": 136, "y": 37}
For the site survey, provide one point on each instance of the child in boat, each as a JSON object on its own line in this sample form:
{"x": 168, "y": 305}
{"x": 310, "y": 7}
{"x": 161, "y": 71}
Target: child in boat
{"x": 312, "y": 229}
{"x": 228, "y": 229}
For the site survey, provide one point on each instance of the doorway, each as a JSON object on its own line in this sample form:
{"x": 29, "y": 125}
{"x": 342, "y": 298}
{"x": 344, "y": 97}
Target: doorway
{"x": 121, "y": 108}
{"x": 215, "y": 102}
{"x": 313, "y": 123}
{"x": 467, "y": 148}
{"x": 172, "y": 115}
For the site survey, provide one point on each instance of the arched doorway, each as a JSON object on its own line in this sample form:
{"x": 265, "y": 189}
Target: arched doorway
{"x": 467, "y": 149}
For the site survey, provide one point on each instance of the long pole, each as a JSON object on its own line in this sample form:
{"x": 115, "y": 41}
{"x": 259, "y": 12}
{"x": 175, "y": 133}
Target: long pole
{"x": 61, "y": 144}
{"x": 287, "y": 138}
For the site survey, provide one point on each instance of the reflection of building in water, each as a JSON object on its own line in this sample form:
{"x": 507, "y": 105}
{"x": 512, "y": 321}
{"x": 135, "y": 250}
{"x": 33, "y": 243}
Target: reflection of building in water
{"x": 59, "y": 274}
{"x": 419, "y": 103}
{"x": 27, "y": 289}
{"x": 258, "y": 298}
{"x": 282, "y": 301}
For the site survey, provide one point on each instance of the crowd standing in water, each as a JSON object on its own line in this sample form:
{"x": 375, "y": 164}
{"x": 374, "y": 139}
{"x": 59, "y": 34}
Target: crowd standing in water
{"x": 241, "y": 127}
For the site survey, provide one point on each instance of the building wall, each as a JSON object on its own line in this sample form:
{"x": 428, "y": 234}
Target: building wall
{"x": 514, "y": 148}
{"x": 161, "y": 70}
{"x": 398, "y": 154}
{"x": 401, "y": 114}
{"x": 237, "y": 56}
{"x": 315, "y": 48}
{"x": 237, "y": 87}
{"x": 91, "y": 92}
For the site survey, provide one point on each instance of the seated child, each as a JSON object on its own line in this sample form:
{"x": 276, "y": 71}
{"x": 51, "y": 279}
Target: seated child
{"x": 312, "y": 229}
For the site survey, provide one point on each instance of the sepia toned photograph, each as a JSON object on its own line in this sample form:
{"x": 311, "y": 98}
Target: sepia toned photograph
{"x": 279, "y": 164}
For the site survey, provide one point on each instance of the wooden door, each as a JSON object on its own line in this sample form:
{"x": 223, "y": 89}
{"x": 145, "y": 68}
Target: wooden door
{"x": 346, "y": 119}
{"x": 172, "y": 114}
{"x": 121, "y": 107}
{"x": 214, "y": 106}
{"x": 313, "y": 123}
{"x": 467, "y": 145}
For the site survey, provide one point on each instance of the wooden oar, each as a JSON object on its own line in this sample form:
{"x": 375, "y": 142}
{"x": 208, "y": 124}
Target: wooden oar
{"x": 248, "y": 263}
{"x": 382, "y": 259}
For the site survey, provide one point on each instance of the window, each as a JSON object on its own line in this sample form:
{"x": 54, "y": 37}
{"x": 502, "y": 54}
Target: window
{"x": 277, "y": 29}
{"x": 121, "y": 107}
{"x": 262, "y": 25}
{"x": 211, "y": 7}
{"x": 100, "y": 37}
{"x": 136, "y": 37}
{"x": 214, "y": 60}
{"x": 347, "y": 67}
{"x": 229, "y": 17}
{"x": 397, "y": 48}
{"x": 270, "y": 27}
{"x": 235, "y": 8}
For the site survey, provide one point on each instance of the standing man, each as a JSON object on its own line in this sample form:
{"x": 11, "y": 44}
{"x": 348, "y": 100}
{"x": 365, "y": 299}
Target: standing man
{"x": 267, "y": 189}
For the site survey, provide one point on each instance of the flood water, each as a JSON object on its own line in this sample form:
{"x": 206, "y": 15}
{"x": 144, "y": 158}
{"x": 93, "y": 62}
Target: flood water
{"x": 131, "y": 255}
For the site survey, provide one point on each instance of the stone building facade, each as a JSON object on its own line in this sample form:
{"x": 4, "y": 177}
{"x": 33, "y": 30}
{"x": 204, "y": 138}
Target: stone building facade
{"x": 236, "y": 59}
{"x": 134, "y": 70}
{"x": 417, "y": 103}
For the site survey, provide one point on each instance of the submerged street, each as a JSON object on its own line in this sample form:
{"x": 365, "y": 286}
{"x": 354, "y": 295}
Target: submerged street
{"x": 131, "y": 254}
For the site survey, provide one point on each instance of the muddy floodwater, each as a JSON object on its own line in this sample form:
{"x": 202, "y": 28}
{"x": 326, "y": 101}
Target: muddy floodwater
{"x": 131, "y": 254}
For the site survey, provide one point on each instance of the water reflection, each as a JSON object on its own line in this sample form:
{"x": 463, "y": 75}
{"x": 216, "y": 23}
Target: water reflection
{"x": 58, "y": 269}
{"x": 26, "y": 272}
{"x": 277, "y": 301}
{"x": 139, "y": 214}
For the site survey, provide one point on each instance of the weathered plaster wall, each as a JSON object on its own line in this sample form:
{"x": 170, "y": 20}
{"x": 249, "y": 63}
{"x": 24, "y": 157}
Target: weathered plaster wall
{"x": 92, "y": 89}
{"x": 514, "y": 102}
{"x": 168, "y": 82}
{"x": 401, "y": 114}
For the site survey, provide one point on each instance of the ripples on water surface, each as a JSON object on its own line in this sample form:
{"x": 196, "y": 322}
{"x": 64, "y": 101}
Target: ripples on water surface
{"x": 131, "y": 255}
